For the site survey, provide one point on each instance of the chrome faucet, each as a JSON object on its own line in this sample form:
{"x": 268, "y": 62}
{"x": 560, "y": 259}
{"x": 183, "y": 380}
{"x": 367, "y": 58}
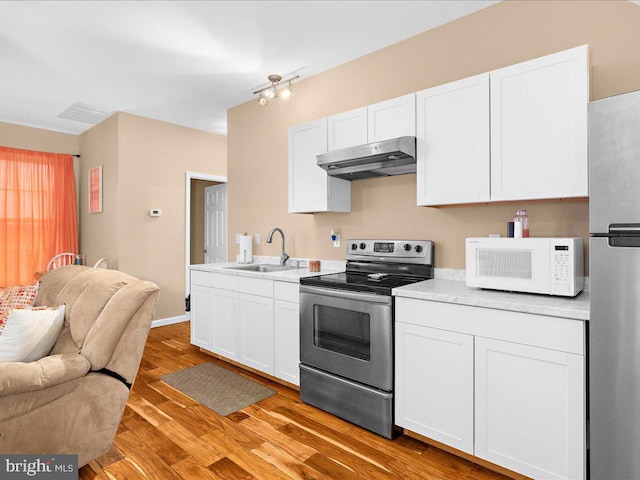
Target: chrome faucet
{"x": 284, "y": 257}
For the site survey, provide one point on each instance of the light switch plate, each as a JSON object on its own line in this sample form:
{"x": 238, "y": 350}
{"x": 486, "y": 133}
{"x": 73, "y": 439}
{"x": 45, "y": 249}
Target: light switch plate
{"x": 257, "y": 238}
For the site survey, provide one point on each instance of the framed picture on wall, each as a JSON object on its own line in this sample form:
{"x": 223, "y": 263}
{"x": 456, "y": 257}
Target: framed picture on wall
{"x": 95, "y": 189}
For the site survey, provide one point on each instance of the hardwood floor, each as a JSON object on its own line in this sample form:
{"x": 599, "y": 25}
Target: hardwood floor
{"x": 165, "y": 434}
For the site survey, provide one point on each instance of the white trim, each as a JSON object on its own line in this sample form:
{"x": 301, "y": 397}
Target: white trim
{"x": 187, "y": 219}
{"x": 168, "y": 321}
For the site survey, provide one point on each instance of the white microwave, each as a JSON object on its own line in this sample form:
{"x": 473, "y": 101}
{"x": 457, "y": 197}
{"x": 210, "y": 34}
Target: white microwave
{"x": 552, "y": 266}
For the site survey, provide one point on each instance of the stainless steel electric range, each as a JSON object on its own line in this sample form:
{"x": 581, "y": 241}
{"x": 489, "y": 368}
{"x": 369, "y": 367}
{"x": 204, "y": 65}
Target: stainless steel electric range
{"x": 346, "y": 330}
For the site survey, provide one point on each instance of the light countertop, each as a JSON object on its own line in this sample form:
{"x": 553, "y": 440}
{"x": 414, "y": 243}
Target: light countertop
{"x": 293, "y": 276}
{"x": 454, "y": 291}
{"x": 439, "y": 289}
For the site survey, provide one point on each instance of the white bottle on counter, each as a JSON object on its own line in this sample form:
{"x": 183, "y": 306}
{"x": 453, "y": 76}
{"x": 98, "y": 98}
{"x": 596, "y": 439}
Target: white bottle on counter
{"x": 521, "y": 224}
{"x": 517, "y": 228}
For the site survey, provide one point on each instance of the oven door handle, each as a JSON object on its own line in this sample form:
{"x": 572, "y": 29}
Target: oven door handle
{"x": 347, "y": 295}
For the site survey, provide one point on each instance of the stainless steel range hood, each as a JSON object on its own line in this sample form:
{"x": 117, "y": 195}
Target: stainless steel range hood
{"x": 380, "y": 159}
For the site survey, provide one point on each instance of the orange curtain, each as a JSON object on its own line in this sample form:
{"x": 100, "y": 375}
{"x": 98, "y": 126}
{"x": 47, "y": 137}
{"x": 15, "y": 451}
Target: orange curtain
{"x": 38, "y": 216}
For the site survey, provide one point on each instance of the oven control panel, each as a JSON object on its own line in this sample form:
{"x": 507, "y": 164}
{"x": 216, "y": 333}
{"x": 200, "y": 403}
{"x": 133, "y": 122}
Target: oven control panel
{"x": 412, "y": 251}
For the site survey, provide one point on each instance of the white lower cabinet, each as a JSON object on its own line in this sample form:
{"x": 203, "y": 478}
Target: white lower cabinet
{"x": 201, "y": 308}
{"x": 256, "y": 332}
{"x": 504, "y": 386}
{"x": 287, "y": 331}
{"x": 529, "y": 409}
{"x": 434, "y": 384}
{"x": 252, "y": 321}
{"x": 287, "y": 336}
{"x": 225, "y": 335}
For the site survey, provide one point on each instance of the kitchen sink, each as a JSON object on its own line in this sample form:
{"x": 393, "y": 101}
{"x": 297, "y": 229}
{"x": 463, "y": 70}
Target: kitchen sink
{"x": 264, "y": 268}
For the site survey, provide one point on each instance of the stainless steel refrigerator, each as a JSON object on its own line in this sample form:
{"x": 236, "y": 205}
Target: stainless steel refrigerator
{"x": 614, "y": 328}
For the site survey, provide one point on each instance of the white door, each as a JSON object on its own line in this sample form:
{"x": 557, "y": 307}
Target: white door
{"x": 215, "y": 224}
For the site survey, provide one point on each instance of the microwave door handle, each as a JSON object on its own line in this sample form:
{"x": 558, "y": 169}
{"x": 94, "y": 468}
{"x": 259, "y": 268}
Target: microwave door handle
{"x": 346, "y": 295}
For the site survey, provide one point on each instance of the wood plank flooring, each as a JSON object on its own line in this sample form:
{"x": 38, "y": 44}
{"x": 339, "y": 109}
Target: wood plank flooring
{"x": 165, "y": 434}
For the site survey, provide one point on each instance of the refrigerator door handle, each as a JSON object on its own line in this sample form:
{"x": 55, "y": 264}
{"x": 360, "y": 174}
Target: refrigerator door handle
{"x": 621, "y": 235}
{"x": 624, "y": 229}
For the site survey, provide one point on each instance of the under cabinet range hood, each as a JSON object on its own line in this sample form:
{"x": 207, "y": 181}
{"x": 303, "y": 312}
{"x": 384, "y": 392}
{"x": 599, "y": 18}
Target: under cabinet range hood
{"x": 381, "y": 159}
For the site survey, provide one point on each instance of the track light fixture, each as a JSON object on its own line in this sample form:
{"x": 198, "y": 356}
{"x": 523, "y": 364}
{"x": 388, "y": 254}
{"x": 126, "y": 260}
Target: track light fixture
{"x": 276, "y": 89}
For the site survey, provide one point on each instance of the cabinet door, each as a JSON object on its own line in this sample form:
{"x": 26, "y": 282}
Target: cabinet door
{"x": 434, "y": 384}
{"x": 347, "y": 129}
{"x": 201, "y": 315}
{"x": 529, "y": 409}
{"x": 392, "y": 118}
{"x": 452, "y": 130}
{"x": 287, "y": 341}
{"x": 539, "y": 127}
{"x": 225, "y": 338}
{"x": 310, "y": 188}
{"x": 256, "y": 323}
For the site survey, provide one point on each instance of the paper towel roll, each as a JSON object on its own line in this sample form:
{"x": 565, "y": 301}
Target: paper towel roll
{"x": 245, "y": 255}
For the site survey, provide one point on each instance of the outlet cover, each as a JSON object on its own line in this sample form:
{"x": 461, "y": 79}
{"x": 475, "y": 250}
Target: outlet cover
{"x": 257, "y": 238}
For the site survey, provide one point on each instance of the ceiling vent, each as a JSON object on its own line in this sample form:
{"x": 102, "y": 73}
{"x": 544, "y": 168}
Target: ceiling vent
{"x": 83, "y": 112}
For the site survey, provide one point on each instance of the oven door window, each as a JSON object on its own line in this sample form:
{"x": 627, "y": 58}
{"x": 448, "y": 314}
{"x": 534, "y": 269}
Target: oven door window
{"x": 342, "y": 331}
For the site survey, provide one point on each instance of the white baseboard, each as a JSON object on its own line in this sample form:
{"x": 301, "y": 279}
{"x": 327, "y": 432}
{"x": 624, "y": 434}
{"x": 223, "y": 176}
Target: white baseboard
{"x": 168, "y": 321}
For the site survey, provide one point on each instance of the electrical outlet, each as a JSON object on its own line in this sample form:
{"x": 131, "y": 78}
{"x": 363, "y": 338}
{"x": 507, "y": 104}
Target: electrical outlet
{"x": 257, "y": 238}
{"x": 238, "y": 235}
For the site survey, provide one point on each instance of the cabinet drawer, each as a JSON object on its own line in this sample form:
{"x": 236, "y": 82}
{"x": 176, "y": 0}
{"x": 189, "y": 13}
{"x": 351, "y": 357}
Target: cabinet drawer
{"x": 287, "y": 291}
{"x": 199, "y": 277}
{"x": 562, "y": 334}
{"x": 242, "y": 284}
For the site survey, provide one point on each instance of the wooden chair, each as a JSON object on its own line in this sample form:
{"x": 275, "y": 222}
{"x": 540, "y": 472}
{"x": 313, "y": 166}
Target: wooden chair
{"x": 102, "y": 263}
{"x": 61, "y": 259}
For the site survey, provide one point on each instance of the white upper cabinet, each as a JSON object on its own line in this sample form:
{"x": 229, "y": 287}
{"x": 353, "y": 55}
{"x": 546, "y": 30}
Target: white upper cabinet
{"x": 517, "y": 133}
{"x": 347, "y": 129}
{"x": 539, "y": 127}
{"x": 452, "y": 130}
{"x": 392, "y": 118}
{"x": 310, "y": 188}
{"x": 381, "y": 121}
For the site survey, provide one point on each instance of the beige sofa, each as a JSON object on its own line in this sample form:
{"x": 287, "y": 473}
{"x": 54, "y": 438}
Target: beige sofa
{"x": 72, "y": 401}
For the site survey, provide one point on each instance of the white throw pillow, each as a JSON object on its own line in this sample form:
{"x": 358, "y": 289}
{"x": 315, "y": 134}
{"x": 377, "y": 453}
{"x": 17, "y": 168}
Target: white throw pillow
{"x": 29, "y": 333}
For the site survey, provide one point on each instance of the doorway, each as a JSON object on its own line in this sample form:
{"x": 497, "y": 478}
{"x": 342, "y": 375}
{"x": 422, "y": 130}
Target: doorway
{"x": 194, "y": 230}
{"x": 215, "y": 223}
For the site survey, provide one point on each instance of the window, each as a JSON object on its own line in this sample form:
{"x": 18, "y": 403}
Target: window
{"x": 38, "y": 216}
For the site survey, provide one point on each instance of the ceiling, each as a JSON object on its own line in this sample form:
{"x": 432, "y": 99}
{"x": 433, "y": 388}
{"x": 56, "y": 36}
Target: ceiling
{"x": 185, "y": 62}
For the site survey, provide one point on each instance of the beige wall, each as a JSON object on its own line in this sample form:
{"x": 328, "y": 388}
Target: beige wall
{"x": 504, "y": 34}
{"x": 29, "y": 138}
{"x": 99, "y": 231}
{"x": 144, "y": 166}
